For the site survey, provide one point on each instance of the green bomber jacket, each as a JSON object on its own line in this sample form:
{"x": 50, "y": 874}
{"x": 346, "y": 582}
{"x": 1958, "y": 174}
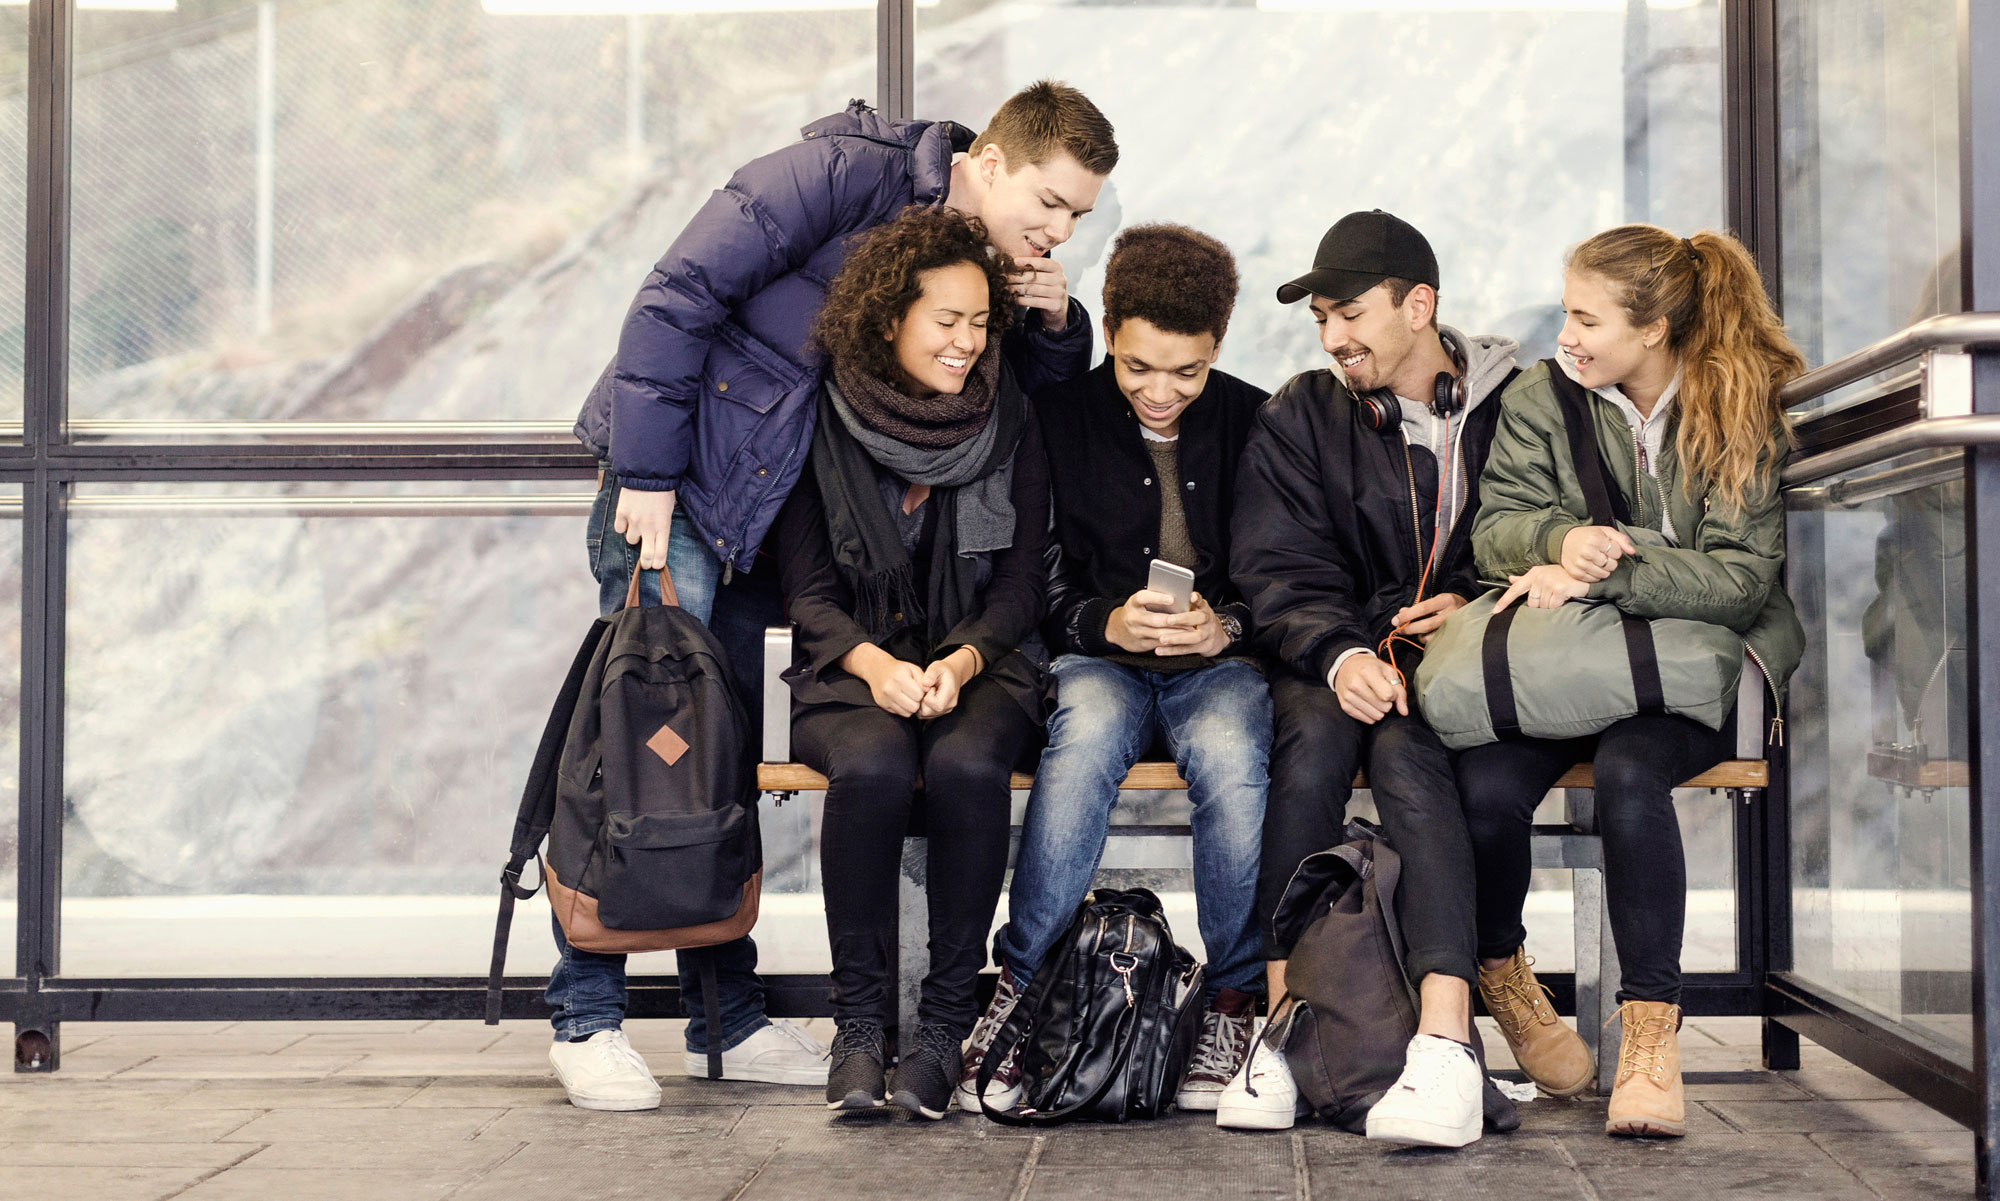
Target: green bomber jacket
{"x": 1726, "y": 570}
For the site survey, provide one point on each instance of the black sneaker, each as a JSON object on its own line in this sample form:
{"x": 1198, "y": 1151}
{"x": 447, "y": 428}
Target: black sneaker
{"x": 854, "y": 1081}
{"x": 926, "y": 1076}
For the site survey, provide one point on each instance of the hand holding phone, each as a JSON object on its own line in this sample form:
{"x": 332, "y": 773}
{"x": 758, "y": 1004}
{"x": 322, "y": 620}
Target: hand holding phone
{"x": 1173, "y": 581}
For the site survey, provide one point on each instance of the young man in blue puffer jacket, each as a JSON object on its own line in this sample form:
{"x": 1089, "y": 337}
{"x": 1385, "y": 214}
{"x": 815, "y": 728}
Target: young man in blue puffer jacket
{"x": 703, "y": 417}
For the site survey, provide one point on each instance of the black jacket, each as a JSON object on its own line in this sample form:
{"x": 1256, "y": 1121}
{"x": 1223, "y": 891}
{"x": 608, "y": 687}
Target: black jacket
{"x": 1107, "y": 503}
{"x": 1333, "y": 522}
{"x": 821, "y": 606}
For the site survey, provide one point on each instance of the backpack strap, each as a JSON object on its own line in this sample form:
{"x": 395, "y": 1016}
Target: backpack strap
{"x": 1607, "y": 507}
{"x": 538, "y": 810}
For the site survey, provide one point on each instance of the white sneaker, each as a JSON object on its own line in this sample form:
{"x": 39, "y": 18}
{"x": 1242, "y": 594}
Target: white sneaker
{"x": 604, "y": 1072}
{"x": 1435, "y": 1102}
{"x": 1262, "y": 1096}
{"x": 780, "y": 1053}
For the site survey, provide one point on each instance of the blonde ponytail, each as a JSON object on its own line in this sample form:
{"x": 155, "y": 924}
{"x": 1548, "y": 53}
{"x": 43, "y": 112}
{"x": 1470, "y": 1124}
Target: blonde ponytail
{"x": 1732, "y": 351}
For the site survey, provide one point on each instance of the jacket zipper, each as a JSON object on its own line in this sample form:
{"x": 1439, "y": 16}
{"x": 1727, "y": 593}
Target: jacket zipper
{"x": 1639, "y": 482}
{"x": 1776, "y": 736}
{"x": 1416, "y": 521}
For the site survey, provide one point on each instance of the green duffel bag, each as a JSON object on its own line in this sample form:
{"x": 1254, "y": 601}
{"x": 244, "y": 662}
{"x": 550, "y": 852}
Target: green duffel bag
{"x": 1571, "y": 671}
{"x": 1574, "y": 670}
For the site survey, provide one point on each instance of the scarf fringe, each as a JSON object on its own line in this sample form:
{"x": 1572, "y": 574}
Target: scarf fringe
{"x": 885, "y": 595}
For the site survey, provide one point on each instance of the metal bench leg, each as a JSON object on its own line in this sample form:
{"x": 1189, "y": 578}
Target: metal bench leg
{"x": 913, "y": 938}
{"x": 1597, "y": 975}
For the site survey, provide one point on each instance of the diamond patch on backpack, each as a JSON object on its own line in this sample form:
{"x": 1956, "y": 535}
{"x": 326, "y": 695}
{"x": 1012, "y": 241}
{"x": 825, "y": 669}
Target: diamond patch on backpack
{"x": 667, "y": 745}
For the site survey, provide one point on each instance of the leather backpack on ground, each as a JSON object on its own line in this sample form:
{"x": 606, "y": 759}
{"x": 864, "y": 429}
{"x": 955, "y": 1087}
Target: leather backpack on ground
{"x": 1349, "y": 1011}
{"x": 645, "y": 788}
{"x": 1108, "y": 1025}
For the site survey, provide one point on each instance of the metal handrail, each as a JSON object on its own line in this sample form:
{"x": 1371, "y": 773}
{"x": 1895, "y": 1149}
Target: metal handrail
{"x": 1931, "y": 433}
{"x": 106, "y": 430}
{"x": 1960, "y": 330}
{"x": 553, "y": 504}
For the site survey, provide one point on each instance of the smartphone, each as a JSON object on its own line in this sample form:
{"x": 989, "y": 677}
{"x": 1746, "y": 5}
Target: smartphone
{"x": 1174, "y": 580}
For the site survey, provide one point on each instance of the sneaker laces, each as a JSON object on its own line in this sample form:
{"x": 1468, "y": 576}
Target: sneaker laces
{"x": 939, "y": 1041}
{"x": 856, "y": 1038}
{"x": 987, "y": 1028}
{"x": 1517, "y": 997}
{"x": 805, "y": 1041}
{"x": 617, "y": 1052}
{"x": 1219, "y": 1050}
{"x": 1644, "y": 1050}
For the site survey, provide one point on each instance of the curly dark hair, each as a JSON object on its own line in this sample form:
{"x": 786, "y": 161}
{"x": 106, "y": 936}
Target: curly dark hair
{"x": 1179, "y": 279}
{"x": 883, "y": 277}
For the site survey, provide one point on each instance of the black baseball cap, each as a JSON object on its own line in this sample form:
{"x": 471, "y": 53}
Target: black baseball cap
{"x": 1360, "y": 251}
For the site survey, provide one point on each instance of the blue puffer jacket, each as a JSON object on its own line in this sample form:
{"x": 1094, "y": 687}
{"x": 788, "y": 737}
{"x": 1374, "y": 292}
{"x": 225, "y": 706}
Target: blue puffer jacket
{"x": 712, "y": 390}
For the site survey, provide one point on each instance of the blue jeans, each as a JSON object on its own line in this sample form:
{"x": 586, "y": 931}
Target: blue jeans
{"x": 1217, "y": 722}
{"x": 587, "y": 990}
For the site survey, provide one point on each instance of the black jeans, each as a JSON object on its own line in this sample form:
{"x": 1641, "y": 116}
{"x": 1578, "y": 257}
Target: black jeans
{"x": 1315, "y": 749}
{"x": 870, "y": 758}
{"x": 1635, "y": 764}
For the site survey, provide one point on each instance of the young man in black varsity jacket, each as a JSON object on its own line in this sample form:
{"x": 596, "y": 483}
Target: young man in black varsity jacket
{"x": 1142, "y": 457}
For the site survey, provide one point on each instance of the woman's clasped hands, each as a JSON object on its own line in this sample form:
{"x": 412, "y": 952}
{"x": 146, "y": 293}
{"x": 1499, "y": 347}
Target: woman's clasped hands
{"x": 1589, "y": 553}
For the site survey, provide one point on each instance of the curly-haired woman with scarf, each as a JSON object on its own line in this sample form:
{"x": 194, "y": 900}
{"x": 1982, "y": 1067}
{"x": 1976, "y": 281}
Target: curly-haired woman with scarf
{"x": 911, "y": 557}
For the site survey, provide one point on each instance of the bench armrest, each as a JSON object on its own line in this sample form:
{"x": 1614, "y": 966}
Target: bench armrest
{"x": 777, "y": 697}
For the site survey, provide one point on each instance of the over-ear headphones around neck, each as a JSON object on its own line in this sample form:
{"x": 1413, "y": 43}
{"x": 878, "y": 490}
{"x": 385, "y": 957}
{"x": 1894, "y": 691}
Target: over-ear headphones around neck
{"x": 1382, "y": 412}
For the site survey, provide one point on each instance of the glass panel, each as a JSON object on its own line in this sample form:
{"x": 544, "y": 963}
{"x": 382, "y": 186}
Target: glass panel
{"x": 1708, "y": 841}
{"x": 296, "y": 744}
{"x": 10, "y": 721}
{"x": 1881, "y": 886}
{"x": 1868, "y": 99}
{"x": 383, "y": 209}
{"x": 13, "y": 209}
{"x": 1261, "y": 124}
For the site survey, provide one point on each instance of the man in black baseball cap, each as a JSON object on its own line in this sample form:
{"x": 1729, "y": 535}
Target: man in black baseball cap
{"x": 1339, "y": 468}
{"x": 1360, "y": 251}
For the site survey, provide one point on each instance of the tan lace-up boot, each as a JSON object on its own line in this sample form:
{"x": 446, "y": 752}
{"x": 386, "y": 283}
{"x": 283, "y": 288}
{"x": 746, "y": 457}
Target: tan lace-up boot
{"x": 1551, "y": 1053}
{"x": 1646, "y": 1099}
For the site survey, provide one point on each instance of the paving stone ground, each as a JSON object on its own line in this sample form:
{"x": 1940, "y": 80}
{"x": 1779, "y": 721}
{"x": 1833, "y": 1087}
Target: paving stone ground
{"x": 283, "y": 1111}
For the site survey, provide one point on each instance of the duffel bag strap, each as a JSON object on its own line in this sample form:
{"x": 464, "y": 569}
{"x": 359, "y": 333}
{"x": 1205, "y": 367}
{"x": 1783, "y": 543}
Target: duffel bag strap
{"x": 1499, "y": 679}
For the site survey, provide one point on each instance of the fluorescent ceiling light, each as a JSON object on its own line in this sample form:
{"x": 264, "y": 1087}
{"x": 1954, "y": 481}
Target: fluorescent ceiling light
{"x": 588, "y": 8}
{"x": 1462, "y": 6}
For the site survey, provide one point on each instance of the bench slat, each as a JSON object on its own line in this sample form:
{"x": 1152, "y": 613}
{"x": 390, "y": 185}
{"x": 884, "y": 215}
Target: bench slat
{"x": 1735, "y": 773}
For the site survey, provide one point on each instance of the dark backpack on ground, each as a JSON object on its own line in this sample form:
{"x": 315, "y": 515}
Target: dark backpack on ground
{"x": 1351, "y": 1011}
{"x": 646, "y": 789}
{"x": 1108, "y": 1025}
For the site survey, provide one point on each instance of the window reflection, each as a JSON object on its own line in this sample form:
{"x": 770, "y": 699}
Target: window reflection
{"x": 1869, "y": 97}
{"x": 1880, "y": 869}
{"x": 379, "y": 209}
{"x": 1262, "y": 127}
{"x": 296, "y": 742}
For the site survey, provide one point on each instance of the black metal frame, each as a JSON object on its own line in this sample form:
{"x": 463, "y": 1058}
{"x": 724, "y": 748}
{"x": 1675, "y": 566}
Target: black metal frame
{"x": 47, "y": 466}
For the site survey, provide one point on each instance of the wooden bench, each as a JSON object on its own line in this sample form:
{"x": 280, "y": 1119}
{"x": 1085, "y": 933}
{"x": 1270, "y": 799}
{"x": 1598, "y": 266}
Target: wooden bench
{"x": 1572, "y": 845}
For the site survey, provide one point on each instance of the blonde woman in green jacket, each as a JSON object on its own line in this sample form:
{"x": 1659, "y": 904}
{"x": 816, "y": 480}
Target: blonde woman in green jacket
{"x": 1681, "y": 357}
